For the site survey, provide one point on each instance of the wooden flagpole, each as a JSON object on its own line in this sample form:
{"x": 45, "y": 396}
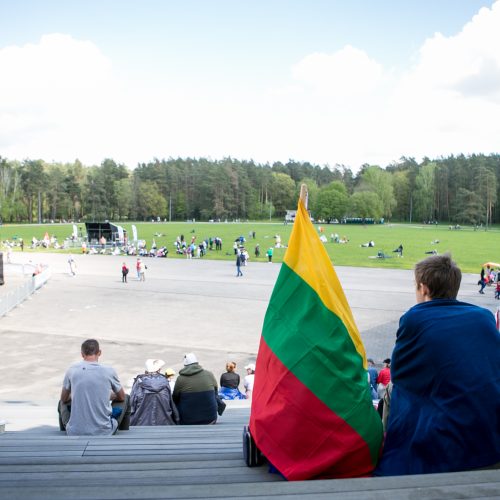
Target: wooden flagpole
{"x": 304, "y": 195}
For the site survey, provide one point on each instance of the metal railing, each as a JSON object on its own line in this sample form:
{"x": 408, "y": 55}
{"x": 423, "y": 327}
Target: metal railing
{"x": 15, "y": 297}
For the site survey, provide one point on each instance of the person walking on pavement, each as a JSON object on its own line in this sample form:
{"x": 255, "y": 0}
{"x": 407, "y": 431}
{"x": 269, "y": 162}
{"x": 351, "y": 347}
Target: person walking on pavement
{"x": 238, "y": 264}
{"x": 72, "y": 265}
{"x": 482, "y": 281}
{"x": 124, "y": 272}
{"x": 270, "y": 254}
{"x": 142, "y": 267}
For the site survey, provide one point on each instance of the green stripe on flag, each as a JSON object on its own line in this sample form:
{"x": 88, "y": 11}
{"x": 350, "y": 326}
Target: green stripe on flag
{"x": 314, "y": 344}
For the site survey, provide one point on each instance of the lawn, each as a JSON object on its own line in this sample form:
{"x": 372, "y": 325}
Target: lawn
{"x": 468, "y": 247}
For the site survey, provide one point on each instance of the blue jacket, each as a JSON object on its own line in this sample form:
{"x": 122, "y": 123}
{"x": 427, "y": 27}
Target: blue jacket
{"x": 445, "y": 405}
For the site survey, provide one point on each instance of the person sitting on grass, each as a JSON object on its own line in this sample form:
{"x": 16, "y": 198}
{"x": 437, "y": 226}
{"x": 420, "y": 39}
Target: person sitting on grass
{"x": 399, "y": 250}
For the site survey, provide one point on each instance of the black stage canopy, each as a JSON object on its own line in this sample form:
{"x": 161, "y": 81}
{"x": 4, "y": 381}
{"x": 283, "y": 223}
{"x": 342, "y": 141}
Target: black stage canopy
{"x": 112, "y": 232}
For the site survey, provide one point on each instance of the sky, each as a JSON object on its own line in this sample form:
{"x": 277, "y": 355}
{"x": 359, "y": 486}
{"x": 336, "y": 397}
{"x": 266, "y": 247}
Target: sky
{"x": 331, "y": 82}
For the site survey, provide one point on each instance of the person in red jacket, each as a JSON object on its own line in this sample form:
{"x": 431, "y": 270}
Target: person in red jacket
{"x": 124, "y": 272}
{"x": 384, "y": 377}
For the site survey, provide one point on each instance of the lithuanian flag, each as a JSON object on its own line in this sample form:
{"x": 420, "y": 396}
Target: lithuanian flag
{"x": 312, "y": 414}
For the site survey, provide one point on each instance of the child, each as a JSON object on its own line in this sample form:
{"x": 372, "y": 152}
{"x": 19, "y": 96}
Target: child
{"x": 124, "y": 272}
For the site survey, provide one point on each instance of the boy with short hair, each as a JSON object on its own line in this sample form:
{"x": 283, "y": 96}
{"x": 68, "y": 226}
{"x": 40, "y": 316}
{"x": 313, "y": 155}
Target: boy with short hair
{"x": 444, "y": 416}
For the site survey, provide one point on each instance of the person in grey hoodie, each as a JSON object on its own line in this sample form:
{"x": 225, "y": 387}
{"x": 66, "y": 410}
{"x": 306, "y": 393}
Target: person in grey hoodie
{"x": 195, "y": 393}
{"x": 151, "y": 398}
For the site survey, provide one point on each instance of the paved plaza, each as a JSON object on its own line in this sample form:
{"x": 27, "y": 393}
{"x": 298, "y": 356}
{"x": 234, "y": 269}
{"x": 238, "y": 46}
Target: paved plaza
{"x": 184, "y": 305}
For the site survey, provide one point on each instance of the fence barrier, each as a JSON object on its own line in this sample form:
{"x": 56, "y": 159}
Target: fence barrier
{"x": 15, "y": 297}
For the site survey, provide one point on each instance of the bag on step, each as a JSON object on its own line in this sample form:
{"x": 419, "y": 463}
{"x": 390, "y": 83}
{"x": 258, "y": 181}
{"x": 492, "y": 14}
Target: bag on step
{"x": 251, "y": 454}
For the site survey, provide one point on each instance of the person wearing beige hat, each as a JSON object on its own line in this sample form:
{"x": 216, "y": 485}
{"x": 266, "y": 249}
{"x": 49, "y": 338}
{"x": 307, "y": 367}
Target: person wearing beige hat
{"x": 170, "y": 374}
{"x": 151, "y": 397}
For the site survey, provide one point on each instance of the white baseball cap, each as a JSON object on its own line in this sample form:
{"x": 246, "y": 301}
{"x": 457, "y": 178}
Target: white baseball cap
{"x": 189, "y": 359}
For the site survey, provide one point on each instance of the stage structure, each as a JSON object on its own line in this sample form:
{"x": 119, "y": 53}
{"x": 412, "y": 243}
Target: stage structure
{"x": 114, "y": 234}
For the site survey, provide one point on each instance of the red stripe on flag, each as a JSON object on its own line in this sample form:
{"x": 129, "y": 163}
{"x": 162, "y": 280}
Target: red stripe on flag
{"x": 297, "y": 432}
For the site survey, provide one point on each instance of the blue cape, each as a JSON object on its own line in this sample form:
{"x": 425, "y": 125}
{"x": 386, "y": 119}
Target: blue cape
{"x": 445, "y": 405}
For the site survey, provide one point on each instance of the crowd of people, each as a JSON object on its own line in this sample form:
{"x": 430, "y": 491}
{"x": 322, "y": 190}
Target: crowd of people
{"x": 488, "y": 277}
{"x": 195, "y": 249}
{"x": 93, "y": 400}
{"x": 157, "y": 397}
{"x": 437, "y": 417}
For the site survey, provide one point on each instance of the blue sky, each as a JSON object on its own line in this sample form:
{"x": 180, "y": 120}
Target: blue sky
{"x": 331, "y": 82}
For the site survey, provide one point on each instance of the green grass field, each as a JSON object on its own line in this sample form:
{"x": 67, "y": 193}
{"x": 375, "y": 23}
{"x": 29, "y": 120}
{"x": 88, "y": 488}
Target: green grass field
{"x": 468, "y": 247}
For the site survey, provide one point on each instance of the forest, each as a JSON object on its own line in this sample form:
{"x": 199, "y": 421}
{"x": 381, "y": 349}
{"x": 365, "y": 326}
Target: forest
{"x": 456, "y": 189}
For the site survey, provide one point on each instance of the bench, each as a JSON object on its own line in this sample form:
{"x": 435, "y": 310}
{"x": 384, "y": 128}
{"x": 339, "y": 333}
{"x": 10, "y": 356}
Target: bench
{"x": 189, "y": 462}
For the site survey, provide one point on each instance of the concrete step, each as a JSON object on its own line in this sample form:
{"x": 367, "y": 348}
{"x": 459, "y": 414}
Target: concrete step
{"x": 189, "y": 462}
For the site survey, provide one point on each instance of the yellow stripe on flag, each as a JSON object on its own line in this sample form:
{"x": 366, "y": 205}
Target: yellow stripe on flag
{"x": 307, "y": 257}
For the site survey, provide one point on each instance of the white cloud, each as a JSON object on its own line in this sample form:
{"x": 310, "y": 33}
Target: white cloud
{"x": 351, "y": 110}
{"x": 52, "y": 92}
{"x": 348, "y": 72}
{"x": 63, "y": 100}
{"x": 449, "y": 102}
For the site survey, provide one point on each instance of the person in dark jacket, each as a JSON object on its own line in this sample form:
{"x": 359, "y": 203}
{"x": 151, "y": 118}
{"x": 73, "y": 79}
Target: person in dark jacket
{"x": 239, "y": 263}
{"x": 229, "y": 383}
{"x": 151, "y": 398}
{"x": 195, "y": 393}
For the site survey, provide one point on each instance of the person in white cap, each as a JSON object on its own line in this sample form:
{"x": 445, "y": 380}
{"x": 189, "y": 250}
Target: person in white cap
{"x": 151, "y": 397}
{"x": 195, "y": 393}
{"x": 249, "y": 379}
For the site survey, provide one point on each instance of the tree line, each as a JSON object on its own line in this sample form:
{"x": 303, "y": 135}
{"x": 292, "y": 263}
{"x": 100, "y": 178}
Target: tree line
{"x": 460, "y": 189}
